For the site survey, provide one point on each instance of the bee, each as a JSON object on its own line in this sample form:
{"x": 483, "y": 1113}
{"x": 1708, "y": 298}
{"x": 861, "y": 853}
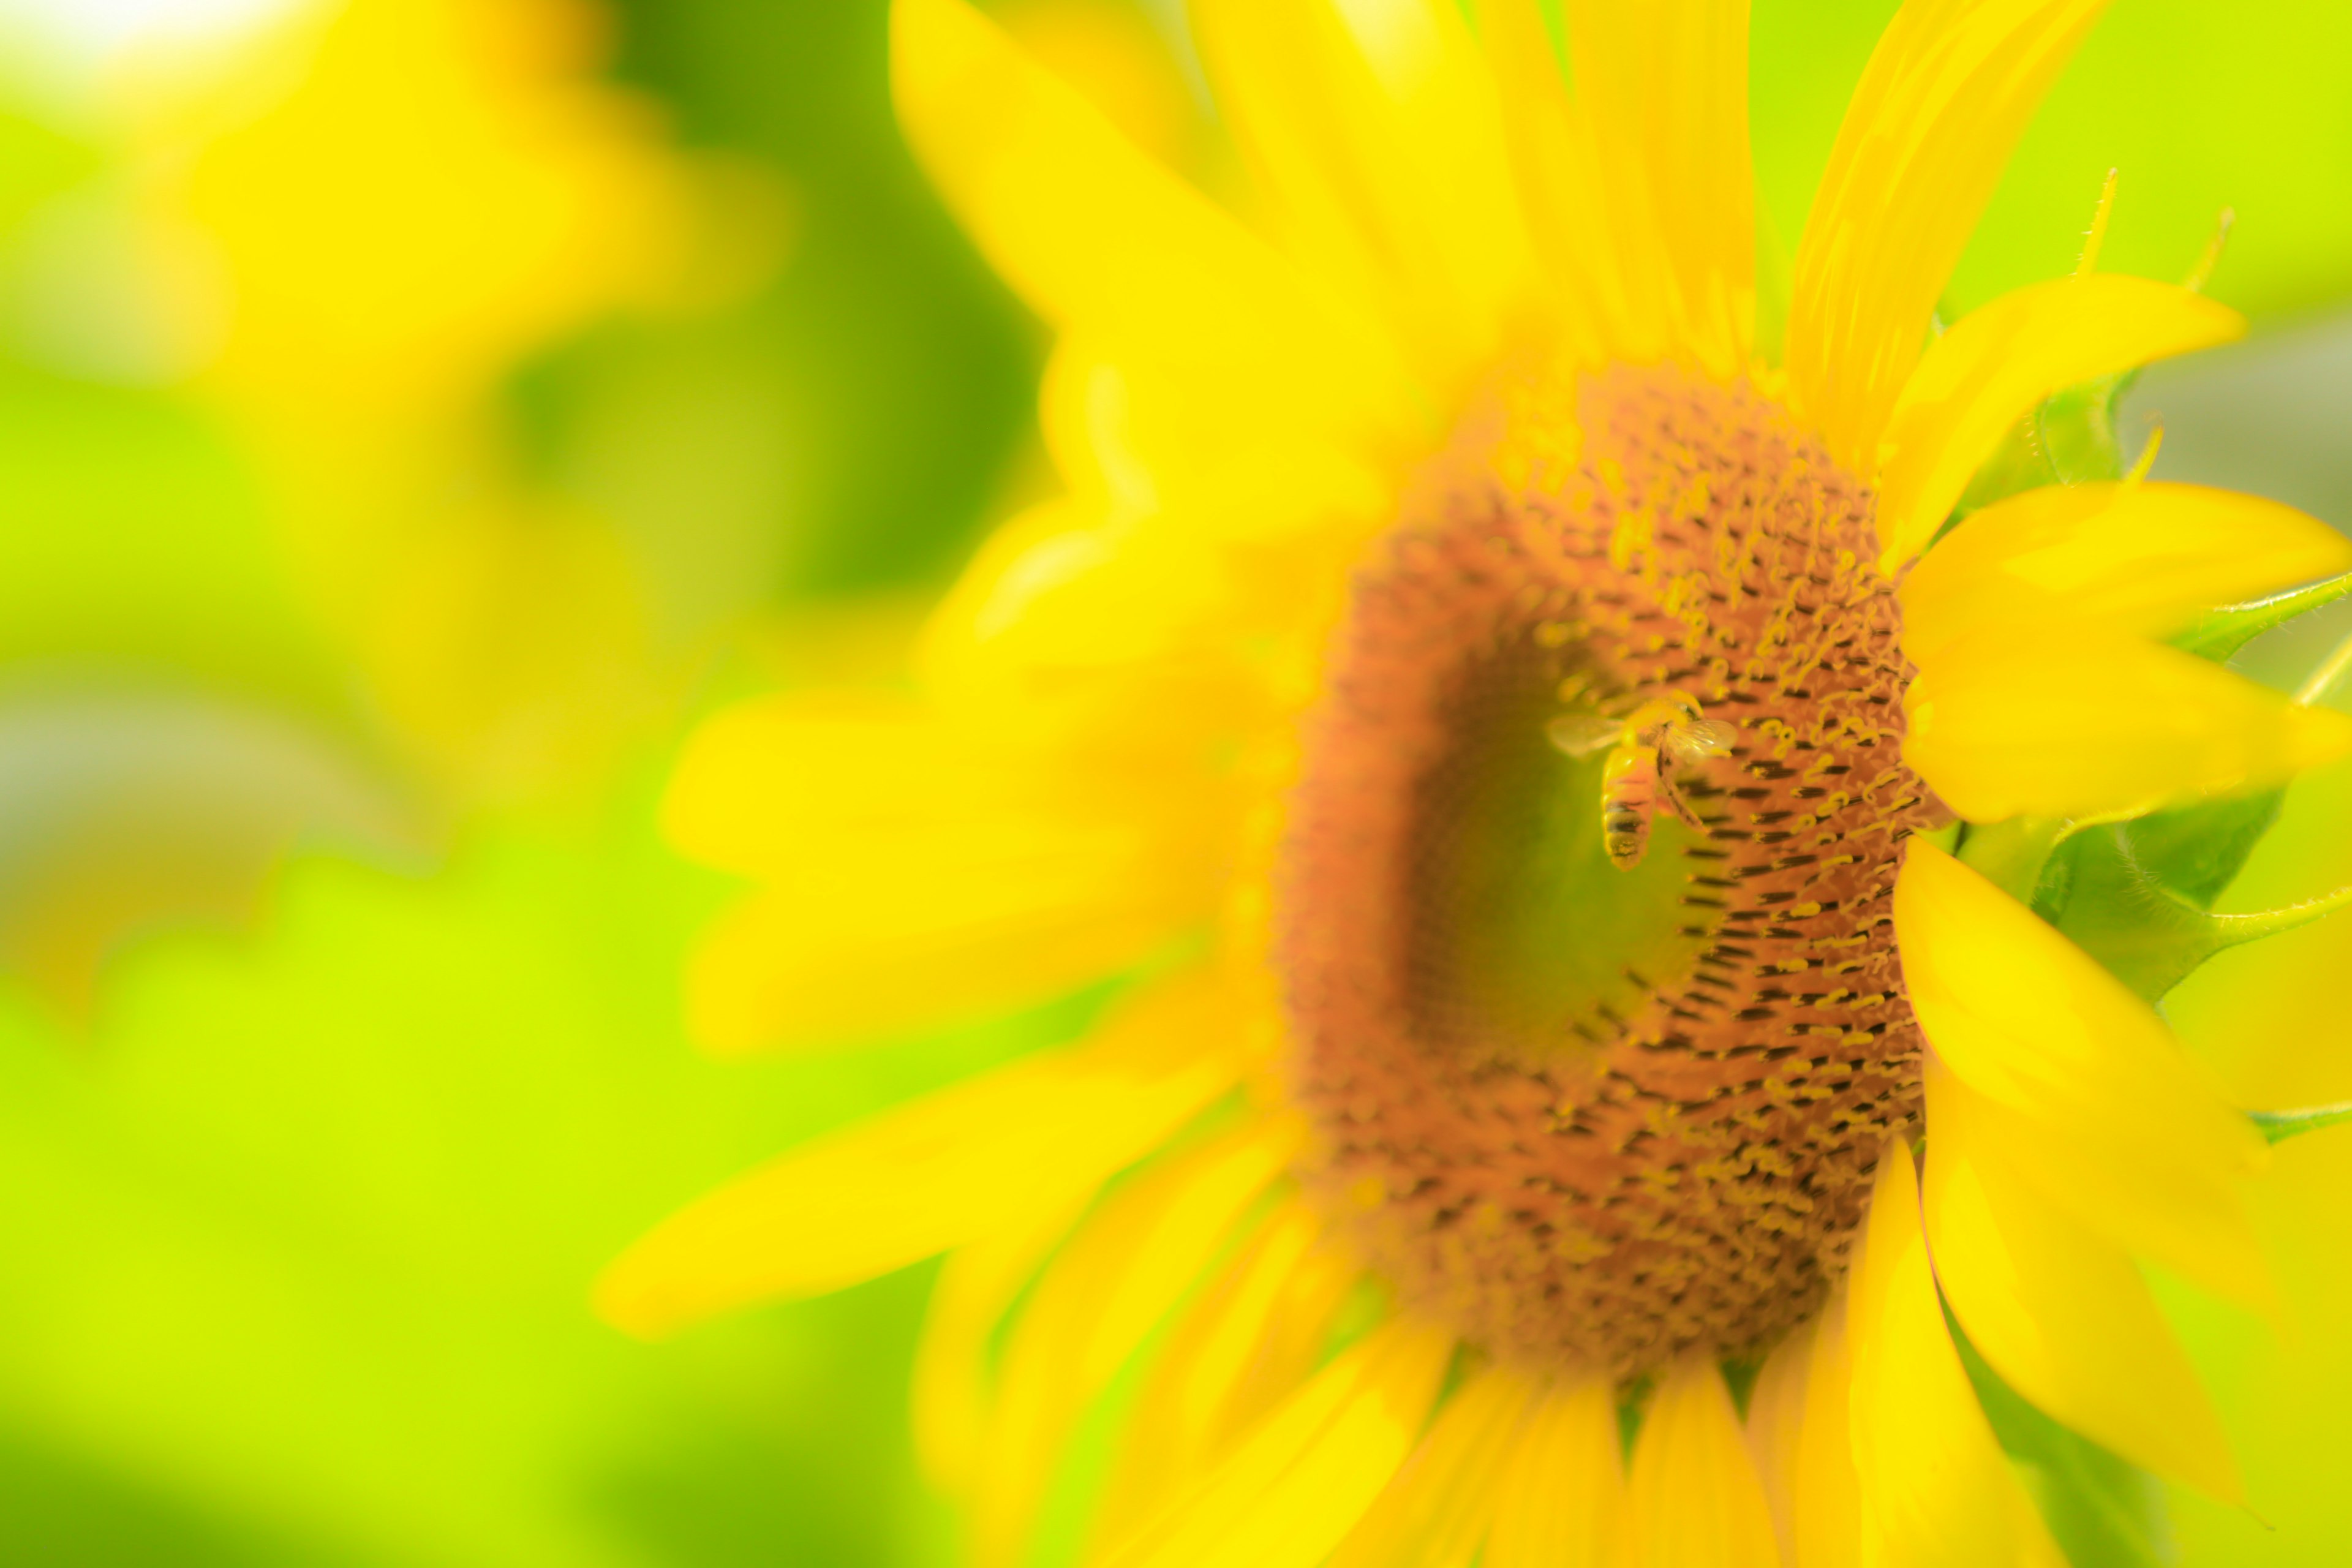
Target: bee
{"x": 1643, "y": 748}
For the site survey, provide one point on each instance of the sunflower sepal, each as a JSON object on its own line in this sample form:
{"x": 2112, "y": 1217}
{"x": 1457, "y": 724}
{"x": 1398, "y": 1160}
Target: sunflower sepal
{"x": 2136, "y": 892}
{"x": 2278, "y": 1126}
{"x": 2023, "y": 856}
{"x": 2102, "y": 1511}
{"x": 2145, "y": 932}
{"x": 2221, "y": 633}
{"x": 2069, "y": 439}
{"x": 2197, "y": 851}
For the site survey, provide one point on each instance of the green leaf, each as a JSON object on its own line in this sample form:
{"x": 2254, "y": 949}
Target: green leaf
{"x": 2104, "y": 1511}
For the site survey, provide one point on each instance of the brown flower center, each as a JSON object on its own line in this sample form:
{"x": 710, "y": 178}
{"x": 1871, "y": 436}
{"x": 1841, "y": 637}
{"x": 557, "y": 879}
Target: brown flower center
{"x": 1593, "y": 1114}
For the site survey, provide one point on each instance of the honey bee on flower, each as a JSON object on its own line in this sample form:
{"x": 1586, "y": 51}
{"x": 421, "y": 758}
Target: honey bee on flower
{"x": 1638, "y": 772}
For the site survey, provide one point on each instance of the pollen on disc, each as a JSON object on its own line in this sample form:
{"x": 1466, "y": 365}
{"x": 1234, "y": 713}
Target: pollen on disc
{"x": 1597, "y": 1116}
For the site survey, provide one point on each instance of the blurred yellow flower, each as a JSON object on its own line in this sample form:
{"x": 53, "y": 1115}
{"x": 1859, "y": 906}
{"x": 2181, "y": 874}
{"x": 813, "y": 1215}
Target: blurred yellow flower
{"x": 405, "y": 197}
{"x": 371, "y": 216}
{"x": 1494, "y": 718}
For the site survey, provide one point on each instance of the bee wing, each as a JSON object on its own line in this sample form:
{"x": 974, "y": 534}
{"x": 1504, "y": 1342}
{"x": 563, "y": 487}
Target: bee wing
{"x": 1701, "y": 737}
{"x": 1583, "y": 734}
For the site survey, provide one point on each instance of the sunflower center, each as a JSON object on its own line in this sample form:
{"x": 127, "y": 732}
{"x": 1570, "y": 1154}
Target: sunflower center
{"x": 1600, "y": 1092}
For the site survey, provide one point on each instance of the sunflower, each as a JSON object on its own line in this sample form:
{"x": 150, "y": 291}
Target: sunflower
{"x": 1599, "y": 1075}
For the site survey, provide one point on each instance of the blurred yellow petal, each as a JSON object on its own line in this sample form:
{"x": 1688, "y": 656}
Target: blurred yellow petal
{"x": 2077, "y": 1080}
{"x": 1144, "y": 1248}
{"x": 1776, "y": 1425}
{"x": 1556, "y": 164}
{"x": 1134, "y": 444}
{"x": 1122, "y": 62}
{"x": 949, "y": 928}
{"x": 1122, "y": 645}
{"x": 748, "y": 778}
{"x": 2059, "y": 1312}
{"x": 977, "y": 1285}
{"x": 1666, "y": 88}
{"x": 1693, "y": 1496}
{"x": 1437, "y": 1508}
{"x": 1827, "y": 1522}
{"x": 770, "y": 787}
{"x": 2027, "y": 1018}
{"x": 1561, "y": 1498}
{"x": 1251, "y": 1341}
{"x": 917, "y": 871}
{"x": 1377, "y": 128}
{"x": 1943, "y": 100}
{"x": 2128, "y": 1186}
{"x": 2146, "y": 557}
{"x": 935, "y": 1172}
{"x": 1997, "y": 362}
{"x": 1936, "y": 1485}
{"x": 1101, "y": 240}
{"x": 2054, "y": 718}
{"x": 1798, "y": 1430}
{"x": 1299, "y": 1483}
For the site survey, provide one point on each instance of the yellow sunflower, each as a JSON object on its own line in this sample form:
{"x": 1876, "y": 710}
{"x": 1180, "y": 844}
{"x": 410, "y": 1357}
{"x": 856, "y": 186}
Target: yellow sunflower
{"x": 1493, "y": 721}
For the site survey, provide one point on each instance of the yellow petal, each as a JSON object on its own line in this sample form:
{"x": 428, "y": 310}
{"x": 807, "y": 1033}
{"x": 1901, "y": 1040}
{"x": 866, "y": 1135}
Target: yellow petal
{"x": 1997, "y": 362}
{"x": 1100, "y": 238}
{"x": 782, "y": 966}
{"x": 1561, "y": 1502}
{"x": 1665, "y": 89}
{"x": 765, "y": 787}
{"x": 1937, "y": 1490}
{"x": 1694, "y": 1498}
{"x": 1939, "y": 107}
{"x": 1437, "y": 1508}
{"x": 1830, "y": 1527}
{"x": 1252, "y": 1339}
{"x": 921, "y": 871}
{"x": 2074, "y": 719}
{"x": 2027, "y": 1018}
{"x": 1557, "y": 166}
{"x": 1143, "y": 1248}
{"x": 936, "y": 1173}
{"x": 1376, "y": 127}
{"x": 2144, "y": 557}
{"x": 1126, "y": 658}
{"x": 1798, "y": 1431}
{"x": 1135, "y": 444}
{"x": 2077, "y": 1080}
{"x": 2059, "y": 1312}
{"x": 977, "y": 1287}
{"x": 2131, "y": 1189}
{"x": 1297, "y": 1486}
{"x": 1776, "y": 1426}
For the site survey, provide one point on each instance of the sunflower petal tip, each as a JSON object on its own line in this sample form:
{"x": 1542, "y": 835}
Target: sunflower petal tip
{"x": 2317, "y": 736}
{"x": 626, "y": 1297}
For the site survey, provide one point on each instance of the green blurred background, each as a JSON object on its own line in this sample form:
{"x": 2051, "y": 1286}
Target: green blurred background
{"x": 413, "y": 414}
